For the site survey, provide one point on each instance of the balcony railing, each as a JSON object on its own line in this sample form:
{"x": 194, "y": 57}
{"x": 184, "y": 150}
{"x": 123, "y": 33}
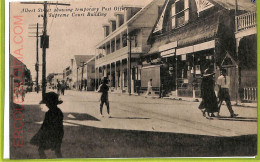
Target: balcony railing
{"x": 249, "y": 94}
{"x": 245, "y": 21}
{"x": 111, "y": 56}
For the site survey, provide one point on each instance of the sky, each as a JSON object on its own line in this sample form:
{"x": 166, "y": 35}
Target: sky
{"x": 72, "y": 31}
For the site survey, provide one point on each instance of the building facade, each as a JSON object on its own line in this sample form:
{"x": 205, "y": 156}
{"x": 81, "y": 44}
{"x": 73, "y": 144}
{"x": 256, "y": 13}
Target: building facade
{"x": 246, "y": 49}
{"x": 190, "y": 36}
{"x": 125, "y": 40}
{"x": 79, "y": 80}
{"x": 19, "y": 75}
{"x": 89, "y": 74}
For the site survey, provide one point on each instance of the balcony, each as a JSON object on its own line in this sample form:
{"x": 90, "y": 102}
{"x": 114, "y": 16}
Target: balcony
{"x": 113, "y": 57}
{"x": 245, "y": 21}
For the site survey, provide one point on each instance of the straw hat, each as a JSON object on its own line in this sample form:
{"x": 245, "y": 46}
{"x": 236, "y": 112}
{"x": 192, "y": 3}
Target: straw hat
{"x": 208, "y": 72}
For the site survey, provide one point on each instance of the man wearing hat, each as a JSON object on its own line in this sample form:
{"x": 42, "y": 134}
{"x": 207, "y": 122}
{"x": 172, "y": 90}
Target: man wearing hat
{"x": 223, "y": 83}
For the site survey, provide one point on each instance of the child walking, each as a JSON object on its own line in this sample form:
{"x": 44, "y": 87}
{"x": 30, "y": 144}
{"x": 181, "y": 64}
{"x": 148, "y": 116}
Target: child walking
{"x": 103, "y": 88}
{"x": 51, "y": 132}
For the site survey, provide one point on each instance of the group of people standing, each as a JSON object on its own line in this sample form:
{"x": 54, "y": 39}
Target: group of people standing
{"x": 211, "y": 103}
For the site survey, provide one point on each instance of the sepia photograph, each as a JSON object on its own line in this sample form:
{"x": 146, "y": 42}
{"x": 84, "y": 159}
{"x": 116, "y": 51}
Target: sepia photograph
{"x": 132, "y": 79}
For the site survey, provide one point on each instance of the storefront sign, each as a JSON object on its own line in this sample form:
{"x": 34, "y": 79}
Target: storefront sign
{"x": 196, "y": 48}
{"x": 204, "y": 46}
{"x": 168, "y": 46}
{"x": 184, "y": 50}
{"x": 168, "y": 53}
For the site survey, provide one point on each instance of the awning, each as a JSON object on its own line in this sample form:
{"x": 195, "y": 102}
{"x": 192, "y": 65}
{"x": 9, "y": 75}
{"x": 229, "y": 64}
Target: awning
{"x": 168, "y": 53}
{"x": 196, "y": 47}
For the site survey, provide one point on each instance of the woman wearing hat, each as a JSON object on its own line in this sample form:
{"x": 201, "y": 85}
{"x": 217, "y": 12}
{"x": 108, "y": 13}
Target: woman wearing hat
{"x": 209, "y": 99}
{"x": 51, "y": 132}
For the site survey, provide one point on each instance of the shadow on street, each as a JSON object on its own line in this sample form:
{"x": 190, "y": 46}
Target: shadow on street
{"x": 89, "y": 142}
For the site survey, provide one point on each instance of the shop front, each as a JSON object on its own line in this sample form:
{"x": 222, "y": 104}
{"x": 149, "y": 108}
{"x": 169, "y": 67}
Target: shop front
{"x": 192, "y": 61}
{"x": 188, "y": 50}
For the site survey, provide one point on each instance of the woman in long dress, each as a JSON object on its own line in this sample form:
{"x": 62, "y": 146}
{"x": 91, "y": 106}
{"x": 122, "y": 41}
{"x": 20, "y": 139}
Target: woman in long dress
{"x": 209, "y": 99}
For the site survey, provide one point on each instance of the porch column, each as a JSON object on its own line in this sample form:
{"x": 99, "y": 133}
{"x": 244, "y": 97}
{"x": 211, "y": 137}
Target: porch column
{"x": 110, "y": 46}
{"x": 106, "y": 49}
{"x": 121, "y": 74}
{"x": 115, "y": 44}
{"x": 116, "y": 77}
{"x": 194, "y": 73}
{"x": 110, "y": 76}
{"x": 128, "y": 76}
{"x": 121, "y": 40}
{"x": 96, "y": 78}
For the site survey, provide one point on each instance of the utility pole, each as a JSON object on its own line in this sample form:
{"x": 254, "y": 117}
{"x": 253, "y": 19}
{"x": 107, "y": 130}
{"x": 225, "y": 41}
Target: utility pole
{"x": 44, "y": 41}
{"x": 37, "y": 60}
{"x": 44, "y": 50}
{"x": 37, "y": 55}
{"x": 129, "y": 38}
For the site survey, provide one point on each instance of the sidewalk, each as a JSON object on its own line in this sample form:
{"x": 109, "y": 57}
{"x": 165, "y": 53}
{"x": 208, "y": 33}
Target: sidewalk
{"x": 233, "y": 103}
{"x": 189, "y": 99}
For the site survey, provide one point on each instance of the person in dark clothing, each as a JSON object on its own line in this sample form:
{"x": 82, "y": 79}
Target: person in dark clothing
{"x": 209, "y": 99}
{"x": 51, "y": 132}
{"x": 58, "y": 87}
{"x": 63, "y": 87}
{"x": 103, "y": 88}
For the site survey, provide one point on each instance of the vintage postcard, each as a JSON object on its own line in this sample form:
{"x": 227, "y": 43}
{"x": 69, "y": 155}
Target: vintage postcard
{"x": 132, "y": 79}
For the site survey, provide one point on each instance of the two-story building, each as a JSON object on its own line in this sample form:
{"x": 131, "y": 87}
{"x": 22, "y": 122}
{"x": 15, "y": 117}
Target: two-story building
{"x": 19, "y": 75}
{"x": 89, "y": 74}
{"x": 79, "y": 80}
{"x": 125, "y": 40}
{"x": 67, "y": 76}
{"x": 190, "y": 36}
{"x": 246, "y": 49}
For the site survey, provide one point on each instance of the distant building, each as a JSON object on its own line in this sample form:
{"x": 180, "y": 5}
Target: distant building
{"x": 78, "y": 79}
{"x": 89, "y": 75}
{"x": 67, "y": 76}
{"x": 19, "y": 75}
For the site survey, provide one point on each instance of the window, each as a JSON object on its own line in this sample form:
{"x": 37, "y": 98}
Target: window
{"x": 93, "y": 69}
{"x": 180, "y": 13}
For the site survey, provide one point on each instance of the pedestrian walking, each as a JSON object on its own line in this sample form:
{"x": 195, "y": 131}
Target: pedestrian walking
{"x": 51, "y": 132}
{"x": 103, "y": 88}
{"x": 149, "y": 87}
{"x": 223, "y": 83}
{"x": 24, "y": 91}
{"x": 209, "y": 101}
{"x": 63, "y": 87}
{"x": 58, "y": 87}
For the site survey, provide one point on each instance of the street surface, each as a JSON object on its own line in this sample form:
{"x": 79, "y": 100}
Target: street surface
{"x": 140, "y": 127}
